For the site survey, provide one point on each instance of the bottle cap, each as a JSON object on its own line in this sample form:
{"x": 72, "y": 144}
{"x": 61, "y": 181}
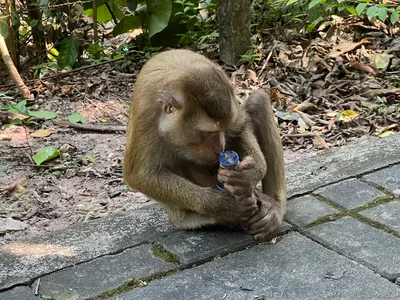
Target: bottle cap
{"x": 228, "y": 159}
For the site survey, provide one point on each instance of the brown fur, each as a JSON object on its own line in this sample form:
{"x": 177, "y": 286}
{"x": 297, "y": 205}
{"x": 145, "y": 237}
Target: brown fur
{"x": 182, "y": 115}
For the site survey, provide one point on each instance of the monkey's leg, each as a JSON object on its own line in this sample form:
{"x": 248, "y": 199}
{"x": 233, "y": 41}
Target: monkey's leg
{"x": 266, "y": 131}
{"x": 184, "y": 219}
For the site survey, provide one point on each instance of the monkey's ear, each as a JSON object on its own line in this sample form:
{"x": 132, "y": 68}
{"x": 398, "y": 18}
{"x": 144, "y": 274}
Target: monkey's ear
{"x": 171, "y": 101}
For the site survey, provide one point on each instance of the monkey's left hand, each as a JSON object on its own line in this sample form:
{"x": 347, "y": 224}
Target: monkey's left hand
{"x": 267, "y": 219}
{"x": 241, "y": 181}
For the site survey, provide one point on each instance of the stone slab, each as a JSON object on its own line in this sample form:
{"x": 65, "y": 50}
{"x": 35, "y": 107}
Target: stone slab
{"x": 350, "y": 194}
{"x": 21, "y": 261}
{"x": 103, "y": 274}
{"x": 388, "y": 178}
{"x": 361, "y": 242}
{"x": 307, "y": 209}
{"x": 294, "y": 268}
{"x": 19, "y": 293}
{"x": 194, "y": 247}
{"x": 387, "y": 214}
{"x": 314, "y": 172}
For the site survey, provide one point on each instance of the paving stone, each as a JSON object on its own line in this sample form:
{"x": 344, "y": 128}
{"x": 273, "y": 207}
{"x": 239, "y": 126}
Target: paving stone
{"x": 295, "y": 268}
{"x": 307, "y": 209}
{"x": 388, "y": 178}
{"x": 19, "y": 293}
{"x": 350, "y": 193}
{"x": 22, "y": 261}
{"x": 361, "y": 242}
{"x": 387, "y": 214}
{"x": 198, "y": 246}
{"x": 314, "y": 172}
{"x": 103, "y": 274}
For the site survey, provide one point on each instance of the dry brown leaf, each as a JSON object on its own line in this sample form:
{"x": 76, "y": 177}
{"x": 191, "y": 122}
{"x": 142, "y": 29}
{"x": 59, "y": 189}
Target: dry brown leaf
{"x": 278, "y": 97}
{"x": 252, "y": 75}
{"x": 41, "y": 133}
{"x": 361, "y": 66}
{"x": 306, "y": 118}
{"x": 17, "y": 134}
{"x": 347, "y": 47}
{"x": 320, "y": 143}
{"x": 304, "y": 106}
{"x": 332, "y": 114}
{"x": 331, "y": 123}
{"x": 17, "y": 187}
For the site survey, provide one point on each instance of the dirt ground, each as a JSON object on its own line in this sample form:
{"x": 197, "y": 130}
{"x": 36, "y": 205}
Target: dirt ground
{"x": 91, "y": 186}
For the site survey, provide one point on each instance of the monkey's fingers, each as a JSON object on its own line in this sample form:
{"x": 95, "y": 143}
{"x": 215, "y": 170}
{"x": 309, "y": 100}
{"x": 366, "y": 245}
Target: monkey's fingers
{"x": 247, "y": 163}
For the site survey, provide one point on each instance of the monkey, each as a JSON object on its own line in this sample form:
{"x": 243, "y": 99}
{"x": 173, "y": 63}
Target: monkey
{"x": 183, "y": 115}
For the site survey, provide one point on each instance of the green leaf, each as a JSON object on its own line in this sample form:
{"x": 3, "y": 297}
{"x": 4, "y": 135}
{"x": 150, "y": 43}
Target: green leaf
{"x": 360, "y": 8}
{"x": 21, "y": 106}
{"x": 159, "y": 12}
{"x": 382, "y": 60}
{"x": 47, "y": 115}
{"x": 351, "y": 10}
{"x": 128, "y": 23}
{"x": 291, "y": 2}
{"x": 76, "y": 118}
{"x": 382, "y": 13}
{"x": 13, "y": 122}
{"x": 313, "y": 3}
{"x": 372, "y": 11}
{"x": 45, "y": 154}
{"x": 394, "y": 17}
{"x": 68, "y": 53}
{"x": 132, "y": 4}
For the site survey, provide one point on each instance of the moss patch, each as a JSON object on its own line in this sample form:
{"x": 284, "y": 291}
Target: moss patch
{"x": 160, "y": 252}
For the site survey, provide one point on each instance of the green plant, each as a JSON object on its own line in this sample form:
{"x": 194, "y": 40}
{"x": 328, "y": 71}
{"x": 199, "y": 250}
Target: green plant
{"x": 250, "y": 56}
{"x": 32, "y": 116}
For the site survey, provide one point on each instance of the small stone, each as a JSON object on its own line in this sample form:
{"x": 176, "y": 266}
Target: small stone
{"x": 9, "y": 224}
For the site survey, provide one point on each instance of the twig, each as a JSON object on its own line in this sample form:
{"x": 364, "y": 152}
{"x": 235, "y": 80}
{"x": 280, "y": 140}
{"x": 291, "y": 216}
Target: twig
{"x": 37, "y": 288}
{"x": 91, "y": 127}
{"x": 306, "y": 134}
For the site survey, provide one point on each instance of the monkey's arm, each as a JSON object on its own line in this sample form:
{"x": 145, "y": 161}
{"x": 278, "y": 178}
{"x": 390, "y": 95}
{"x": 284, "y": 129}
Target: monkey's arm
{"x": 179, "y": 193}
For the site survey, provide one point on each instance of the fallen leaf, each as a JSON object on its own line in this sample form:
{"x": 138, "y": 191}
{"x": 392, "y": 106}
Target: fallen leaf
{"x": 382, "y": 60}
{"x": 331, "y": 115}
{"x": 386, "y": 133}
{"x": 348, "y": 116}
{"x": 306, "y": 118}
{"x": 17, "y": 187}
{"x": 252, "y": 75}
{"x": 320, "y": 143}
{"x": 361, "y": 66}
{"x": 347, "y": 47}
{"x": 17, "y": 134}
{"x": 41, "y": 133}
{"x": 304, "y": 106}
{"x": 45, "y": 154}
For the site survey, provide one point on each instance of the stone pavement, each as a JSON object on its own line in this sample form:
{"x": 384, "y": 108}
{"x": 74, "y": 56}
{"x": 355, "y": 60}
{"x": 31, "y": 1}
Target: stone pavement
{"x": 341, "y": 241}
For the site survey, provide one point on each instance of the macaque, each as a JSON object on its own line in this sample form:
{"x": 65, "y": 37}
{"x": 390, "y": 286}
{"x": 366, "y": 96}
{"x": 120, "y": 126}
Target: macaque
{"x": 183, "y": 115}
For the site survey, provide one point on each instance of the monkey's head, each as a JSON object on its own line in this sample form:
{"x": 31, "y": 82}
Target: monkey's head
{"x": 196, "y": 113}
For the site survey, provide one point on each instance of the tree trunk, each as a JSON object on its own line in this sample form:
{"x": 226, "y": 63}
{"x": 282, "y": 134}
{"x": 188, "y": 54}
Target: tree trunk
{"x": 234, "y": 18}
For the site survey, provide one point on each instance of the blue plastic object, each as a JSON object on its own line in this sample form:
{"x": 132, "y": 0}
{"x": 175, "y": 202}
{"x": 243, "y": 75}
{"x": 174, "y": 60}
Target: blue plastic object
{"x": 228, "y": 159}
